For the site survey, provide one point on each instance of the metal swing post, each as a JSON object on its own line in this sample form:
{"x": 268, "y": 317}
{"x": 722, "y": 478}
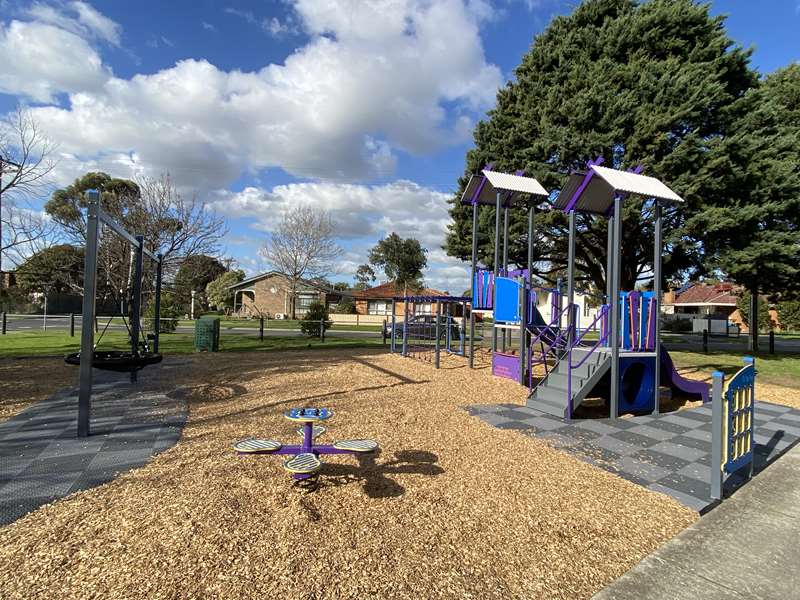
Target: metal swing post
{"x": 136, "y": 305}
{"x": 87, "y": 315}
{"x": 157, "y": 308}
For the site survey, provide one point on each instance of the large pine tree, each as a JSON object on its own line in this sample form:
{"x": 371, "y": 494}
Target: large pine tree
{"x": 750, "y": 223}
{"x": 646, "y": 84}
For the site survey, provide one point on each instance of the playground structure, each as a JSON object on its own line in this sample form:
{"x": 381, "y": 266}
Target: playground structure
{"x": 305, "y": 464}
{"x": 535, "y": 339}
{"x": 430, "y": 324}
{"x": 140, "y": 354}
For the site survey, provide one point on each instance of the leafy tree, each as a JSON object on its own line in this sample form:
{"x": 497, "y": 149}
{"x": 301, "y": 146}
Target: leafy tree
{"x": 57, "y": 269}
{"x": 646, "y": 83}
{"x": 316, "y": 314}
{"x": 341, "y": 286}
{"x": 170, "y": 312}
{"x": 789, "y": 314}
{"x": 365, "y": 276}
{"x": 346, "y": 307}
{"x": 750, "y": 224}
{"x": 195, "y": 273}
{"x": 764, "y": 321}
{"x": 173, "y": 225}
{"x": 402, "y": 260}
{"x": 217, "y": 291}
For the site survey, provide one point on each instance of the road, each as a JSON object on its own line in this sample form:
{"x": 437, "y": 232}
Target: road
{"x": 32, "y": 324}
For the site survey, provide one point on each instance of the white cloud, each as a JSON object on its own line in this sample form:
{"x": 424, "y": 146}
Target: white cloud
{"x": 372, "y": 80}
{"x": 97, "y": 23}
{"x": 79, "y": 18}
{"x": 362, "y": 215}
{"x": 208, "y": 26}
{"x": 40, "y": 60}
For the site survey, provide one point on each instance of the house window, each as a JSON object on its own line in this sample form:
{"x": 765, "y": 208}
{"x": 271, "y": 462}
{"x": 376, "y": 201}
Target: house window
{"x": 425, "y": 308}
{"x": 305, "y": 300}
{"x": 379, "y": 307}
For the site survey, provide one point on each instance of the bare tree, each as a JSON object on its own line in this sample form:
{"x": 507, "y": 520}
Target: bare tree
{"x": 303, "y": 246}
{"x": 172, "y": 224}
{"x": 25, "y": 164}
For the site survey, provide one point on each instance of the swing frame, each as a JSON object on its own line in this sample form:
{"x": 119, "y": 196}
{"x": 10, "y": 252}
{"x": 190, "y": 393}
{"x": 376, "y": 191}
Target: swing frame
{"x": 88, "y": 358}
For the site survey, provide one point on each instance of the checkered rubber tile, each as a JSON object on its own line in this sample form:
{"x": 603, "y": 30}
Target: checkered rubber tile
{"x": 42, "y": 459}
{"x": 668, "y": 453}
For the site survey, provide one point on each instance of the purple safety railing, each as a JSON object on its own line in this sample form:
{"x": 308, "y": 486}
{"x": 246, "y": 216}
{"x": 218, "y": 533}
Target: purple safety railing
{"x": 558, "y": 341}
{"x": 602, "y": 316}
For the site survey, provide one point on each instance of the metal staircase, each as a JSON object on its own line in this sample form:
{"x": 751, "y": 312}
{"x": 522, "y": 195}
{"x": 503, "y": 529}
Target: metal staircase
{"x": 550, "y": 395}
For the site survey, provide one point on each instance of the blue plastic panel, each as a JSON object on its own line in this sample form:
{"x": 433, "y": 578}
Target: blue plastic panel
{"x": 506, "y": 308}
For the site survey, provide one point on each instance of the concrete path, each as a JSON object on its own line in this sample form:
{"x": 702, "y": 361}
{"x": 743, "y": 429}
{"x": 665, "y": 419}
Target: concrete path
{"x": 748, "y": 547}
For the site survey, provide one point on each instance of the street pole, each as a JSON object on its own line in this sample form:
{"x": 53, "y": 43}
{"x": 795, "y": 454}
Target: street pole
{"x": 192, "y": 312}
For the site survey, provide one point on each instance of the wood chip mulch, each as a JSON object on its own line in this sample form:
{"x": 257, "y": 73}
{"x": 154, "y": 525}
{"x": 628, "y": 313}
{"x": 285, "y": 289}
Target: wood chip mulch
{"x": 450, "y": 508}
{"x": 23, "y": 382}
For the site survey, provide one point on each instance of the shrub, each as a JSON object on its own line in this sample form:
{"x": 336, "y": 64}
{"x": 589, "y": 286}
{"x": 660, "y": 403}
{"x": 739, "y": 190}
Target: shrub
{"x": 169, "y": 314}
{"x": 310, "y": 322}
{"x": 346, "y": 307}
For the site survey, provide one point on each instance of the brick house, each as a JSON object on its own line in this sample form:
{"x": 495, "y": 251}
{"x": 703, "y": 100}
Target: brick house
{"x": 378, "y": 300}
{"x": 268, "y": 295}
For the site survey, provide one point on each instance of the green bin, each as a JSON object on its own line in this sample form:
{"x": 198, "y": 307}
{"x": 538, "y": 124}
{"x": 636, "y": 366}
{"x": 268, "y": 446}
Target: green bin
{"x": 206, "y": 334}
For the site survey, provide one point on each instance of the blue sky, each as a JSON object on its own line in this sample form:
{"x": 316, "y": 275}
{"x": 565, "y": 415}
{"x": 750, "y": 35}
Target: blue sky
{"x": 257, "y": 106}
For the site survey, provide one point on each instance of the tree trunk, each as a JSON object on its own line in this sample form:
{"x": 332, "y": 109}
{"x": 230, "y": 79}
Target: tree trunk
{"x": 753, "y": 318}
{"x": 293, "y": 299}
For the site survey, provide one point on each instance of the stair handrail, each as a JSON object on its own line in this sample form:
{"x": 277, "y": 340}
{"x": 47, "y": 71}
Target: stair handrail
{"x": 574, "y": 342}
{"x": 600, "y": 315}
{"x": 559, "y": 332}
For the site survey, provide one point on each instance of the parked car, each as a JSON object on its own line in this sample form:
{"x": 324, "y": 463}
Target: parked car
{"x": 423, "y": 327}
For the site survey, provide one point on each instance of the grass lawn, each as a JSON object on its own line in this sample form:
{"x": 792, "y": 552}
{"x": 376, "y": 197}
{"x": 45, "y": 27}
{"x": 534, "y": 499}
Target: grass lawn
{"x": 19, "y": 343}
{"x": 777, "y": 369}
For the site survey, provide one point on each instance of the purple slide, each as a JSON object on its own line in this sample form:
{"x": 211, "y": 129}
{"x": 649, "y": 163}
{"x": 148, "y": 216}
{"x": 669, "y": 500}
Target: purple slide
{"x": 670, "y": 377}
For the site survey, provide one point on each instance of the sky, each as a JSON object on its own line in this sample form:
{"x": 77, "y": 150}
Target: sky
{"x": 364, "y": 108}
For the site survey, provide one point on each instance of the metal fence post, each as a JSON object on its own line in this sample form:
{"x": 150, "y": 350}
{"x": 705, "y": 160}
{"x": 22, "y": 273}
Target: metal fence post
{"x": 717, "y": 416}
{"x": 322, "y": 330}
{"x": 72, "y": 325}
{"x": 771, "y": 341}
{"x": 4, "y": 322}
{"x": 383, "y": 332}
{"x": 705, "y": 341}
{"x": 261, "y": 328}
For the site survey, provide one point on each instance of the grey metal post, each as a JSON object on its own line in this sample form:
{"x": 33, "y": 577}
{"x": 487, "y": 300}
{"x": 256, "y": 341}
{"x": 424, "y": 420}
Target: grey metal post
{"x": 71, "y": 324}
{"x": 405, "y": 327}
{"x": 615, "y": 270}
{"x": 394, "y": 325}
{"x": 753, "y": 317}
{"x": 157, "y": 308}
{"x": 5, "y": 320}
{"x": 657, "y": 252}
{"x": 609, "y": 259}
{"x": 322, "y": 329}
{"x": 717, "y": 415}
{"x": 505, "y": 240}
{"x": 261, "y": 328}
{"x": 473, "y": 282}
{"x": 571, "y": 280}
{"x": 531, "y": 215}
{"x": 87, "y": 315}
{"x": 463, "y": 340}
{"x": 137, "y": 299}
{"x": 437, "y": 344}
